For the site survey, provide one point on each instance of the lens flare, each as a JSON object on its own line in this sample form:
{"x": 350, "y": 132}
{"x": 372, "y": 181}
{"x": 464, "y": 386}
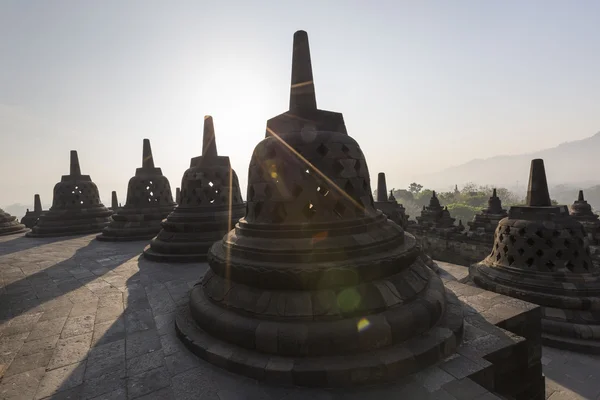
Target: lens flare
{"x": 363, "y": 324}
{"x": 348, "y": 299}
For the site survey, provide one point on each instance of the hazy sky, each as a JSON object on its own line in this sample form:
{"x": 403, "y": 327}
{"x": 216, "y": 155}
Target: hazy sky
{"x": 423, "y": 85}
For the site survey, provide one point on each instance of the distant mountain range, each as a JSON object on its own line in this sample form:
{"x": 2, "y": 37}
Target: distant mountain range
{"x": 573, "y": 164}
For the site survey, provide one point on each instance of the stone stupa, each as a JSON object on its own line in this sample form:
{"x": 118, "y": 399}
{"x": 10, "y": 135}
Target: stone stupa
{"x": 388, "y": 205}
{"x": 434, "y": 216}
{"x": 487, "y": 220}
{"x": 314, "y": 286}
{"x": 149, "y": 201}
{"x": 581, "y": 210}
{"x": 178, "y": 195}
{"x": 31, "y": 217}
{"x": 10, "y": 225}
{"x": 211, "y": 203}
{"x": 540, "y": 256}
{"x": 76, "y": 207}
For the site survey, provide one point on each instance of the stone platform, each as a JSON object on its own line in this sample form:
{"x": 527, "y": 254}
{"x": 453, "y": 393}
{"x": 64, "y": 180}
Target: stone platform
{"x": 82, "y": 319}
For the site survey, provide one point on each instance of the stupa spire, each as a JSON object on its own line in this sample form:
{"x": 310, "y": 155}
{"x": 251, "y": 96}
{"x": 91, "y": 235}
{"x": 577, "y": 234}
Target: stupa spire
{"x": 494, "y": 193}
{"x": 147, "y": 159}
{"x": 537, "y": 192}
{"x": 209, "y": 146}
{"x": 302, "y": 90}
{"x": 580, "y": 197}
{"x": 75, "y": 169}
{"x": 37, "y": 204}
{"x": 114, "y": 201}
{"x": 381, "y": 187}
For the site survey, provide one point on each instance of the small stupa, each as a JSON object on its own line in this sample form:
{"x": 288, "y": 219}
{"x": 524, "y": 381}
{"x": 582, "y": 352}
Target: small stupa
{"x": 314, "y": 286}
{"x": 487, "y": 220}
{"x": 388, "y": 205}
{"x": 582, "y": 212}
{"x": 149, "y": 201}
{"x": 10, "y": 225}
{"x": 434, "y": 216}
{"x": 540, "y": 256}
{"x": 31, "y": 217}
{"x": 210, "y": 205}
{"x": 76, "y": 207}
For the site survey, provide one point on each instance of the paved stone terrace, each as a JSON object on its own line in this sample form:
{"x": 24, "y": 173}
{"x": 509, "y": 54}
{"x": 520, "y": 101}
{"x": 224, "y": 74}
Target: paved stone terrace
{"x": 82, "y": 319}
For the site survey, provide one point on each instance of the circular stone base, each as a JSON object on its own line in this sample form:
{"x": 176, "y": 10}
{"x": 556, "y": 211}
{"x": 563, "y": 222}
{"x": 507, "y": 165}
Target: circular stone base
{"x": 13, "y": 232}
{"x": 59, "y": 234}
{"x": 378, "y": 366}
{"x": 566, "y": 328}
{"x": 151, "y": 255}
{"x": 104, "y": 238}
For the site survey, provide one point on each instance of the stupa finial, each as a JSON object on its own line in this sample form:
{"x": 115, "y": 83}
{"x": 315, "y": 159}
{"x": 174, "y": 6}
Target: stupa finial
{"x": 433, "y": 195}
{"x": 302, "y": 91}
{"x": 381, "y": 187}
{"x": 209, "y": 145}
{"x": 147, "y": 159}
{"x": 580, "y": 197}
{"x": 537, "y": 192}
{"x": 37, "y": 204}
{"x": 114, "y": 201}
{"x": 75, "y": 169}
{"x": 494, "y": 193}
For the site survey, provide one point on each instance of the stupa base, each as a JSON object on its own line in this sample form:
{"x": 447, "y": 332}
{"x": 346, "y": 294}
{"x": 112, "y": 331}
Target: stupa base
{"x": 365, "y": 368}
{"x": 129, "y": 234}
{"x": 13, "y": 230}
{"x": 572, "y": 324}
{"x": 57, "y": 229}
{"x": 199, "y": 256}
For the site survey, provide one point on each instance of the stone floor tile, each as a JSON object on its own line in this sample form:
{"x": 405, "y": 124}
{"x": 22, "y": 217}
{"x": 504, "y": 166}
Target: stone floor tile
{"x": 148, "y": 382}
{"x": 79, "y": 325}
{"x": 193, "y": 383}
{"x": 69, "y": 394}
{"x": 61, "y": 379}
{"x": 21, "y": 386}
{"x": 165, "y": 323}
{"x": 70, "y": 350}
{"x": 181, "y": 361}
{"x": 110, "y": 300}
{"x": 108, "y": 350}
{"x": 86, "y": 307}
{"x": 35, "y": 346}
{"x": 162, "y": 394}
{"x": 139, "y": 320}
{"x": 110, "y": 331}
{"x": 109, "y": 313}
{"x": 171, "y": 344}
{"x": 47, "y": 328}
{"x": 29, "y": 362}
{"x": 145, "y": 362}
{"x": 119, "y": 394}
{"x": 109, "y": 381}
{"x": 141, "y": 343}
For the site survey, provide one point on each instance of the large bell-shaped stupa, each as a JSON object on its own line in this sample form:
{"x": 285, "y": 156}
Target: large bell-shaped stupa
{"x": 9, "y": 224}
{"x": 540, "y": 256}
{"x": 210, "y": 204}
{"x": 314, "y": 286}
{"x": 76, "y": 207}
{"x": 149, "y": 201}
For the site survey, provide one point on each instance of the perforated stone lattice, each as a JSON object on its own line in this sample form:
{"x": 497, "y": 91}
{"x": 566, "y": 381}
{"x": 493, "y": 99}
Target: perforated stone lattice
{"x": 332, "y": 184}
{"x": 209, "y": 187}
{"x": 144, "y": 192}
{"x": 75, "y": 194}
{"x": 532, "y": 246}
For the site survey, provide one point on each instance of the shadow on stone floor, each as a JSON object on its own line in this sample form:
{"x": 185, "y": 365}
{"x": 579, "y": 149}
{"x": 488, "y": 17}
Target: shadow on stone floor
{"x": 133, "y": 350}
{"x": 34, "y": 281}
{"x": 16, "y": 243}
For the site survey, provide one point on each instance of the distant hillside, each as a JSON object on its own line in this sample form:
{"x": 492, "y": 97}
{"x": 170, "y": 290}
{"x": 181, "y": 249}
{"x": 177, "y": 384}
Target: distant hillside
{"x": 575, "y": 164}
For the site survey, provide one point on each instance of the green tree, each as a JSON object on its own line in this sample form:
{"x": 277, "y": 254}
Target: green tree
{"x": 415, "y": 188}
